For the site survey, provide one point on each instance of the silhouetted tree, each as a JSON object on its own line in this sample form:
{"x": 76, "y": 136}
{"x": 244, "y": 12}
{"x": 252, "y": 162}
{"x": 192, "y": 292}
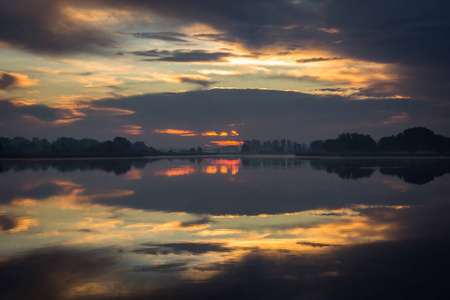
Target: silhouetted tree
{"x": 245, "y": 148}
{"x": 413, "y": 140}
{"x": 122, "y": 145}
{"x": 350, "y": 142}
{"x": 316, "y": 146}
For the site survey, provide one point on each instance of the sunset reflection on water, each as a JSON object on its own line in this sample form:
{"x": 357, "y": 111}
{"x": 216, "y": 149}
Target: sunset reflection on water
{"x": 168, "y": 223}
{"x": 211, "y": 166}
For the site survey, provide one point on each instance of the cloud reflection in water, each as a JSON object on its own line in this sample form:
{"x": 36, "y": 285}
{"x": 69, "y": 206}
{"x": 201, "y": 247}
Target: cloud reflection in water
{"x": 302, "y": 234}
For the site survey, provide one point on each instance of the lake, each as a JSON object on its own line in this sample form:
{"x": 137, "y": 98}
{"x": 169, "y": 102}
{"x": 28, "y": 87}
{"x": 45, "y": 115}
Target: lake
{"x": 225, "y": 228}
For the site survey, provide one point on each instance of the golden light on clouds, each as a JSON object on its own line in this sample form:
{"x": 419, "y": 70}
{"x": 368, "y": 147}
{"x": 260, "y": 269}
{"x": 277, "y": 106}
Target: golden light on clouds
{"x": 193, "y": 133}
{"x": 210, "y": 133}
{"x": 131, "y": 129}
{"x": 11, "y": 80}
{"x": 176, "y": 132}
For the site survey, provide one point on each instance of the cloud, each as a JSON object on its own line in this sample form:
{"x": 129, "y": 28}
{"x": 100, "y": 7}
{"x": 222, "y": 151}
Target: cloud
{"x": 12, "y": 112}
{"x": 15, "y": 80}
{"x": 184, "y": 55}
{"x": 267, "y": 114}
{"x": 164, "y": 268}
{"x": 202, "y": 221}
{"x": 253, "y": 23}
{"x": 7, "y": 223}
{"x": 176, "y": 132}
{"x": 320, "y": 245}
{"x": 409, "y": 35}
{"x": 163, "y": 36}
{"x": 182, "y": 248}
{"x": 46, "y": 27}
{"x": 199, "y": 80}
{"x": 317, "y": 59}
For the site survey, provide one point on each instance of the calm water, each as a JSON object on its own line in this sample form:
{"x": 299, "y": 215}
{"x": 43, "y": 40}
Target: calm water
{"x": 225, "y": 228}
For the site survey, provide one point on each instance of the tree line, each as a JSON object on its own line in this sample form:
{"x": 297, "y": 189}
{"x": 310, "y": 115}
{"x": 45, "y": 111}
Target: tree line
{"x": 412, "y": 140}
{"x": 272, "y": 147}
{"x": 70, "y": 147}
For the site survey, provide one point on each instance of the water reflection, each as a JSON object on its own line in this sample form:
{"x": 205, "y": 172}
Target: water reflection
{"x": 277, "y": 228}
{"x": 416, "y": 171}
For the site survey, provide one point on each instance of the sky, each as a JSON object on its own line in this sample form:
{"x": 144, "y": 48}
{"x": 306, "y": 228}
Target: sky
{"x": 210, "y": 72}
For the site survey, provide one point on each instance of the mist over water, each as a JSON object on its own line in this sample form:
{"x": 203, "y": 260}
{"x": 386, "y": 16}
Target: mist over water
{"x": 227, "y": 227}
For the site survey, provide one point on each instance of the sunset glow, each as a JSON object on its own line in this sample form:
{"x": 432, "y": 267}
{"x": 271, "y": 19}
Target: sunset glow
{"x": 227, "y": 143}
{"x": 179, "y": 171}
{"x": 172, "y": 75}
{"x": 176, "y": 132}
{"x": 224, "y": 149}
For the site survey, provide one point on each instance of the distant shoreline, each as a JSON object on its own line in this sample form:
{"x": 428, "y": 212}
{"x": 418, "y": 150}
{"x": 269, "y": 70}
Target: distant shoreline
{"x": 374, "y": 154}
{"x": 24, "y": 157}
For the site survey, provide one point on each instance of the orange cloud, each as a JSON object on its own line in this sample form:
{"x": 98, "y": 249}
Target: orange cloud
{"x": 227, "y": 143}
{"x": 131, "y": 129}
{"x": 210, "y": 133}
{"x": 169, "y": 226}
{"x": 15, "y": 80}
{"x": 224, "y": 133}
{"x": 234, "y": 133}
{"x": 176, "y": 132}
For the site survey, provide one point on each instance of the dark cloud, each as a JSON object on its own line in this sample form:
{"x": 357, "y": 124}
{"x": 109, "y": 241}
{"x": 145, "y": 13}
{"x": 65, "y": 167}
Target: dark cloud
{"x": 217, "y": 37}
{"x": 333, "y": 89}
{"x": 7, "y": 81}
{"x": 7, "y": 223}
{"x": 152, "y": 53}
{"x": 163, "y": 36}
{"x": 196, "y": 80}
{"x": 319, "y": 245}
{"x": 45, "y": 27}
{"x": 317, "y": 59}
{"x": 253, "y": 23}
{"x": 12, "y": 112}
{"x": 411, "y": 34}
{"x": 182, "y": 248}
{"x": 272, "y": 114}
{"x": 267, "y": 115}
{"x": 184, "y": 55}
{"x": 164, "y": 268}
{"x": 202, "y": 221}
